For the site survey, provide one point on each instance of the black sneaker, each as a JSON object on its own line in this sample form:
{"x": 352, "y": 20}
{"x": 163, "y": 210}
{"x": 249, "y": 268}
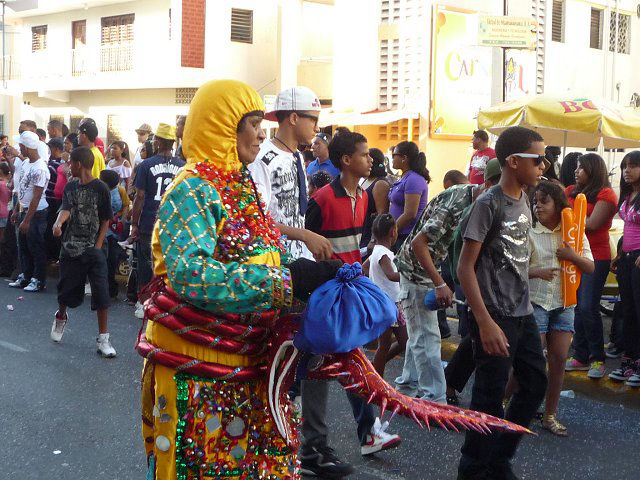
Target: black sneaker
{"x": 612, "y": 351}
{"x": 322, "y": 462}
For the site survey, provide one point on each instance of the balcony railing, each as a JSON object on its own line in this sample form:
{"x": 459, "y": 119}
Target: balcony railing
{"x": 116, "y": 57}
{"x": 11, "y": 68}
{"x": 99, "y": 62}
{"x": 109, "y": 58}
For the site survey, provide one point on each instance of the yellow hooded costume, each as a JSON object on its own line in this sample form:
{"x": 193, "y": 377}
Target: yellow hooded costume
{"x": 217, "y": 257}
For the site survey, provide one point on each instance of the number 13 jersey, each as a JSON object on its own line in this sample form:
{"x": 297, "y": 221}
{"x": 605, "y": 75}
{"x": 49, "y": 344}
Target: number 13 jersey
{"x": 153, "y": 176}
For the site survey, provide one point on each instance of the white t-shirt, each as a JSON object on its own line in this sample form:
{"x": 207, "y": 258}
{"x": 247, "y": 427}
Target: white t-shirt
{"x": 33, "y": 174}
{"x": 275, "y": 174}
{"x": 377, "y": 276}
{"x": 137, "y": 159}
{"x": 17, "y": 165}
{"x": 43, "y": 153}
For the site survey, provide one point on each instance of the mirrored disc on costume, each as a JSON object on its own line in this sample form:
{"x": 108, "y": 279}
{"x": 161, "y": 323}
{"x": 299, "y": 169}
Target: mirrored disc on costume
{"x": 213, "y": 424}
{"x": 235, "y": 427}
{"x": 237, "y": 452}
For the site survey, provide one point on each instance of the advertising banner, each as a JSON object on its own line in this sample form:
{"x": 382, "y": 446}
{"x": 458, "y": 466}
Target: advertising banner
{"x": 461, "y": 76}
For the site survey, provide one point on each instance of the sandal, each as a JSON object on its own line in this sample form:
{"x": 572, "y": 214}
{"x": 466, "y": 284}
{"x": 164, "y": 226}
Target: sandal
{"x": 551, "y": 423}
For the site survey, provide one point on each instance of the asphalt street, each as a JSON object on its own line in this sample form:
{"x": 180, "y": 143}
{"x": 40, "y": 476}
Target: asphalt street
{"x": 69, "y": 414}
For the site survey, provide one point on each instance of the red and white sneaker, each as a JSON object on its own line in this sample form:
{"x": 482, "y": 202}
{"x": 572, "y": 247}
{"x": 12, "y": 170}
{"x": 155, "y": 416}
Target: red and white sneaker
{"x": 57, "y": 329}
{"x": 379, "y": 440}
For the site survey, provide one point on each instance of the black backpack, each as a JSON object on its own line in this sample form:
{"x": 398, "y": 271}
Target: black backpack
{"x": 455, "y": 247}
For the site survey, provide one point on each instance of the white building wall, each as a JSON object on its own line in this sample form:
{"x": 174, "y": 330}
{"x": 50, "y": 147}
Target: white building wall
{"x": 572, "y": 66}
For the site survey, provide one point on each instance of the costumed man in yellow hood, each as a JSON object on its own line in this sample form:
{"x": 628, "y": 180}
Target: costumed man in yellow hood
{"x": 214, "y": 401}
{"x": 204, "y": 405}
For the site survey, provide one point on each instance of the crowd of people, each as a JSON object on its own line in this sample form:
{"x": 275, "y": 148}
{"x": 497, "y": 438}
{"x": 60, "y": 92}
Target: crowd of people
{"x": 62, "y": 203}
{"x": 489, "y": 244}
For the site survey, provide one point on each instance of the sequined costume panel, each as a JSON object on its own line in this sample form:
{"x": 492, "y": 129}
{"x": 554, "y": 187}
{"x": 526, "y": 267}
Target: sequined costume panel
{"x": 194, "y": 230}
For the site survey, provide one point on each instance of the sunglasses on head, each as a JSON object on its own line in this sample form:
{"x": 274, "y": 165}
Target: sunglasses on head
{"x": 537, "y": 159}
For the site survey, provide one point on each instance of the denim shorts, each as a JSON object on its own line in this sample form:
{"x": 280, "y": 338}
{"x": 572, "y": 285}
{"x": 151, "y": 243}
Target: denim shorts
{"x": 559, "y": 319}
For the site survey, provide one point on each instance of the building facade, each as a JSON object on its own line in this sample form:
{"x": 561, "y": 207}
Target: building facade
{"x": 391, "y": 69}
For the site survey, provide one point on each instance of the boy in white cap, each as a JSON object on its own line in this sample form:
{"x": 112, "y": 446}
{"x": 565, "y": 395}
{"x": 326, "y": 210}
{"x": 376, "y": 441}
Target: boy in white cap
{"x": 32, "y": 219}
{"x": 279, "y": 170}
{"x": 280, "y": 177}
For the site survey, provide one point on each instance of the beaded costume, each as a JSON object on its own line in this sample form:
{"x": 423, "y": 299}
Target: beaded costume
{"x": 218, "y": 355}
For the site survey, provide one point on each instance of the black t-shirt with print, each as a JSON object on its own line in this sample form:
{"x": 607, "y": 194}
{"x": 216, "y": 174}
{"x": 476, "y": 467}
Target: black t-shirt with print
{"x": 89, "y": 205}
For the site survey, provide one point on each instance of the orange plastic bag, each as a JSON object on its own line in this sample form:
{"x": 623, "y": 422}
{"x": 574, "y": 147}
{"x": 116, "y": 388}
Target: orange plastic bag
{"x": 573, "y": 225}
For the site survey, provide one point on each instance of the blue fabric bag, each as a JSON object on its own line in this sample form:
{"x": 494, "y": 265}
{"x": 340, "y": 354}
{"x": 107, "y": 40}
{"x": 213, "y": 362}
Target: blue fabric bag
{"x": 345, "y": 313}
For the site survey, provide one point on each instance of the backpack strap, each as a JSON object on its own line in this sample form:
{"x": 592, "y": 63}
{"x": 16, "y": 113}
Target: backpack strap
{"x": 498, "y": 214}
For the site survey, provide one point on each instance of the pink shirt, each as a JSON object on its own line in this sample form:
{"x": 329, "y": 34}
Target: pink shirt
{"x": 4, "y": 200}
{"x": 61, "y": 181}
{"x": 631, "y": 217}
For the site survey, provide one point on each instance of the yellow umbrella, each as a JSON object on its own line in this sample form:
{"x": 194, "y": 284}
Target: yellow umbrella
{"x": 569, "y": 121}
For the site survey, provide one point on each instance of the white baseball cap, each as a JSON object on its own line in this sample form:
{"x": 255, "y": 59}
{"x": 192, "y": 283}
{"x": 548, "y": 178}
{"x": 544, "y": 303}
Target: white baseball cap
{"x": 297, "y": 99}
{"x": 29, "y": 139}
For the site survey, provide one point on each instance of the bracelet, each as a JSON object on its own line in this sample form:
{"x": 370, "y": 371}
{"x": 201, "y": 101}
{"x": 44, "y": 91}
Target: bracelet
{"x": 441, "y": 286}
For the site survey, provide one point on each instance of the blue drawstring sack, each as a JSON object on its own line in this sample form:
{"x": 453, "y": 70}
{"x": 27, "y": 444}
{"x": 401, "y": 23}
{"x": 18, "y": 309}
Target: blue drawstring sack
{"x": 345, "y": 313}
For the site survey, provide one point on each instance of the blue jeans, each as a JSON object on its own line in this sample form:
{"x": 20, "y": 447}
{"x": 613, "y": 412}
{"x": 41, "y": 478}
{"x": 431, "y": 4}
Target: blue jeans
{"x": 588, "y": 342}
{"x": 558, "y": 319}
{"x": 31, "y": 247}
{"x": 422, "y": 374}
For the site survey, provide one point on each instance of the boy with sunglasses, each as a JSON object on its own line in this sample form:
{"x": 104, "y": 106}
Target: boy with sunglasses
{"x": 494, "y": 277}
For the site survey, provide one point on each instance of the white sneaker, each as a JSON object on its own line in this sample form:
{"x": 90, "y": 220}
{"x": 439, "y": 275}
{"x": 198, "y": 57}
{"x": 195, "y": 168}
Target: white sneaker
{"x": 104, "y": 346}
{"x": 87, "y": 289}
{"x": 378, "y": 439}
{"x": 139, "y": 312}
{"x": 35, "y": 285}
{"x": 57, "y": 329}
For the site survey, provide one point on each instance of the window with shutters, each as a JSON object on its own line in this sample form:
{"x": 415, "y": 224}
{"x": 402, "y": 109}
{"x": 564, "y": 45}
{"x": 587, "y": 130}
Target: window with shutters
{"x": 384, "y": 11}
{"x": 116, "y": 43}
{"x": 620, "y": 33}
{"x": 38, "y": 38}
{"x": 74, "y": 121}
{"x": 184, "y": 95}
{"x": 557, "y": 21}
{"x": 241, "y": 25}
{"x": 59, "y": 118}
{"x": 595, "y": 28}
{"x": 114, "y": 128}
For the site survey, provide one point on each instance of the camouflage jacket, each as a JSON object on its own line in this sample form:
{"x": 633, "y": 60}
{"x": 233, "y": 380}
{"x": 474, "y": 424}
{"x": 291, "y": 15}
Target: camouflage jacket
{"x": 438, "y": 222}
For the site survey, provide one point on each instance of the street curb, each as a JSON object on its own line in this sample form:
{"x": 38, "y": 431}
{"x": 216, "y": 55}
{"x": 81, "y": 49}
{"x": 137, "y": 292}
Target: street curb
{"x": 603, "y": 389}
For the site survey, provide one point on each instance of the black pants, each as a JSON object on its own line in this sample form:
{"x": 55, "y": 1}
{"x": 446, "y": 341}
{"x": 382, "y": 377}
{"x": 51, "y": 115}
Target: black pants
{"x": 479, "y": 451}
{"x": 629, "y": 285}
{"x": 9, "y": 249}
{"x": 31, "y": 246}
{"x": 461, "y": 366}
{"x": 52, "y": 243}
{"x": 114, "y": 253}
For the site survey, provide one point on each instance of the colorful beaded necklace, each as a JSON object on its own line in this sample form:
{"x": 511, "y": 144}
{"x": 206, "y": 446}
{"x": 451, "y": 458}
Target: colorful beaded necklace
{"x": 248, "y": 230}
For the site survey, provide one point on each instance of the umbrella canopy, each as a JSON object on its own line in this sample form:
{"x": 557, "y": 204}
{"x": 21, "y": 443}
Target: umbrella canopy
{"x": 570, "y": 121}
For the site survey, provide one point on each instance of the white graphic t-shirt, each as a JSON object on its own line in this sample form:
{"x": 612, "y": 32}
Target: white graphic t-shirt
{"x": 276, "y": 177}
{"x": 32, "y": 174}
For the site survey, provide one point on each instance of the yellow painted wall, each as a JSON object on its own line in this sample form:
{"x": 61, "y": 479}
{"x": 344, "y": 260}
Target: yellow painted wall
{"x": 442, "y": 155}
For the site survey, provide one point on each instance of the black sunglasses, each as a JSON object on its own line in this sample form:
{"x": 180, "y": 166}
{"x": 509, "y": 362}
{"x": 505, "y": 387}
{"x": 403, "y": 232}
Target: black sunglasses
{"x": 538, "y": 159}
{"x": 310, "y": 117}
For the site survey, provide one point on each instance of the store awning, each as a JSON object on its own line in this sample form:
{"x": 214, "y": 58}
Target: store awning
{"x": 374, "y": 117}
